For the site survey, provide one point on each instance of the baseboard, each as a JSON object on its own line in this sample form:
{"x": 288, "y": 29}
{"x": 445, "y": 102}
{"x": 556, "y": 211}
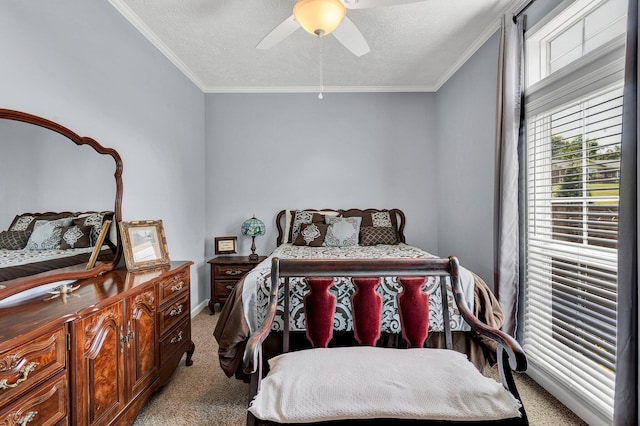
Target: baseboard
{"x": 195, "y": 311}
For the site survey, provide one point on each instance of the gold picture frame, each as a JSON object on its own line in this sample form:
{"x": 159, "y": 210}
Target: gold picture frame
{"x": 144, "y": 243}
{"x": 226, "y": 245}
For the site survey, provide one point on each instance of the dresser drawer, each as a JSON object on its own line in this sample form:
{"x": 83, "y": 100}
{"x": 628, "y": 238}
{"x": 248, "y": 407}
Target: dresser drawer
{"x": 24, "y": 367}
{"x": 231, "y": 271}
{"x": 46, "y": 405}
{"x": 178, "y": 340}
{"x": 173, "y": 285}
{"x": 174, "y": 312}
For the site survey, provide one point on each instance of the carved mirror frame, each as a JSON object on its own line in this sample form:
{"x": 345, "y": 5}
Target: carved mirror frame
{"x": 79, "y": 271}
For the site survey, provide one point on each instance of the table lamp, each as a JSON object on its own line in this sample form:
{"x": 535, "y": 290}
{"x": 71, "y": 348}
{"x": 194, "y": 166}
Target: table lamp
{"x": 253, "y": 227}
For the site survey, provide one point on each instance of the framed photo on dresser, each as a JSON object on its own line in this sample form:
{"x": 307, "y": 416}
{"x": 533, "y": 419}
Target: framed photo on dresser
{"x": 144, "y": 243}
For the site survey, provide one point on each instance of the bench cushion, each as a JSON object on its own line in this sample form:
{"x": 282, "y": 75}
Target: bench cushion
{"x": 371, "y": 382}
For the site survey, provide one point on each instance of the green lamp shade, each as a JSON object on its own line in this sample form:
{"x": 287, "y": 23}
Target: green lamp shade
{"x": 253, "y": 227}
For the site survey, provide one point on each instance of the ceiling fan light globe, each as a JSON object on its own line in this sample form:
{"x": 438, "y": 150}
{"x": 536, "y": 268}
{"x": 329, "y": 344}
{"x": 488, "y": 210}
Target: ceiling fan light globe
{"x": 319, "y": 17}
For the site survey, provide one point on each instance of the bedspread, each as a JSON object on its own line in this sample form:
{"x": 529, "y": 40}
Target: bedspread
{"x": 257, "y": 286}
{"x": 244, "y": 310}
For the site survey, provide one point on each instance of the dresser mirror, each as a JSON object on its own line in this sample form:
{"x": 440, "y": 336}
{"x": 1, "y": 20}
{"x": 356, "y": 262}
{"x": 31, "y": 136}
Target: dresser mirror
{"x": 58, "y": 191}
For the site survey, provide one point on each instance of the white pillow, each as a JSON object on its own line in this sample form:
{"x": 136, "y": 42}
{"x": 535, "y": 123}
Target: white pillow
{"x": 370, "y": 382}
{"x": 47, "y": 234}
{"x": 342, "y": 231}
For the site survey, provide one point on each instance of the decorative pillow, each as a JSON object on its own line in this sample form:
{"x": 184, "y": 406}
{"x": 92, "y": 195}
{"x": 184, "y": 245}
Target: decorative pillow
{"x": 47, "y": 234}
{"x": 26, "y": 221}
{"x": 93, "y": 220}
{"x": 21, "y": 223}
{"x": 300, "y": 217}
{"x": 311, "y": 234}
{"x": 381, "y": 219}
{"x": 14, "y": 240}
{"x": 342, "y": 231}
{"x": 290, "y": 216}
{"x": 372, "y": 235}
{"x": 377, "y": 218}
{"x": 75, "y": 236}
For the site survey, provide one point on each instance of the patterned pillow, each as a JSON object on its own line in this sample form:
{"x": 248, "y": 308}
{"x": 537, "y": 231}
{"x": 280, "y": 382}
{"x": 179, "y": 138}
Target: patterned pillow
{"x": 372, "y": 235}
{"x": 300, "y": 217}
{"x": 21, "y": 223}
{"x": 93, "y": 220}
{"x": 311, "y": 234}
{"x": 14, "y": 240}
{"x": 75, "y": 236}
{"x": 47, "y": 234}
{"x": 342, "y": 231}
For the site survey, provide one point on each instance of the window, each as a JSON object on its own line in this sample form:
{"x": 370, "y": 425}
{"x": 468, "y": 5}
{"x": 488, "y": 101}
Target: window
{"x": 574, "y": 118}
{"x": 572, "y": 34}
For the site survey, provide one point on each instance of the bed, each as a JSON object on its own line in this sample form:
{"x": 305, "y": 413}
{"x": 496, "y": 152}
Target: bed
{"x": 308, "y": 234}
{"x": 39, "y": 242}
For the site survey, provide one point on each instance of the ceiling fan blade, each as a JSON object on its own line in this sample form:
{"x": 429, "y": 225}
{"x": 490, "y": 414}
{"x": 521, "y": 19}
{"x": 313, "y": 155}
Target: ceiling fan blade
{"x": 350, "y": 36}
{"x": 366, "y": 4}
{"x": 279, "y": 33}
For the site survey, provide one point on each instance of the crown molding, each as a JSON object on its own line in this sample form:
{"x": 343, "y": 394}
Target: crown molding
{"x": 133, "y": 18}
{"x": 316, "y": 89}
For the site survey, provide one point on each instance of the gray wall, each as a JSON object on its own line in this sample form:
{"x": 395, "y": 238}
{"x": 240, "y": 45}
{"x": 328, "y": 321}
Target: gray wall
{"x": 204, "y": 163}
{"x": 270, "y": 152}
{"x": 466, "y": 114}
{"x": 80, "y": 63}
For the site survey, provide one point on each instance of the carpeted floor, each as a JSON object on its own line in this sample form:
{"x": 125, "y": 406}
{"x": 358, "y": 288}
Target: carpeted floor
{"x": 203, "y": 395}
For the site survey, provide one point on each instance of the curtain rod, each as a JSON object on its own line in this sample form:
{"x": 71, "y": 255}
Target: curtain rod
{"x": 522, "y": 9}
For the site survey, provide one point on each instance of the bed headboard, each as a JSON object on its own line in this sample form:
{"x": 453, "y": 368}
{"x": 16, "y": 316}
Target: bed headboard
{"x": 396, "y": 213}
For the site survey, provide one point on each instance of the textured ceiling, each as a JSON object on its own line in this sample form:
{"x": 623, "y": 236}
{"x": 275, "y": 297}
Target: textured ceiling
{"x": 414, "y": 47}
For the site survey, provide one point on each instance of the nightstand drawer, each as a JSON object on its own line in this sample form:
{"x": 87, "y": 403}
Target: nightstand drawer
{"x": 224, "y": 287}
{"x": 170, "y": 286}
{"x": 231, "y": 271}
{"x": 23, "y": 367}
{"x": 174, "y": 313}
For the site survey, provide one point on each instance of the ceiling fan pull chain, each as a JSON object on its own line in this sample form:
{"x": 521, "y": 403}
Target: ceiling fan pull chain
{"x": 321, "y": 66}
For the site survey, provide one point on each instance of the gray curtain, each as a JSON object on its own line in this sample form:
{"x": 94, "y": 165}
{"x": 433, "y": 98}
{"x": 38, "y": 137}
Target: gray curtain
{"x": 626, "y": 391}
{"x": 510, "y": 139}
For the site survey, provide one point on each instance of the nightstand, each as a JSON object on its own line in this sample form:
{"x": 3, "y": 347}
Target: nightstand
{"x": 226, "y": 271}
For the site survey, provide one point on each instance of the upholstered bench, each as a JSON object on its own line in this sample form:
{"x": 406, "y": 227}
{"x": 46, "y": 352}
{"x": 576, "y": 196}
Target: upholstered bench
{"x": 365, "y": 382}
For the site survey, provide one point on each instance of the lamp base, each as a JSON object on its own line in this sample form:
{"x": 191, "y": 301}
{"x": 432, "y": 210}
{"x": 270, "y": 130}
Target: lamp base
{"x": 253, "y": 255}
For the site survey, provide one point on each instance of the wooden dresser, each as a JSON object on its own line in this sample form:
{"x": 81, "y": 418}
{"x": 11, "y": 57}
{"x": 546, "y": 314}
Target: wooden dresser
{"x": 94, "y": 356}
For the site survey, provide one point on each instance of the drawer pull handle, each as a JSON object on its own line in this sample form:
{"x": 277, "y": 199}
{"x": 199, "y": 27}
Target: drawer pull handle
{"x": 230, "y": 287}
{"x": 28, "y": 418}
{"x": 177, "y": 287}
{"x": 233, "y": 272}
{"x": 177, "y": 338}
{"x": 24, "y": 375}
{"x": 177, "y": 310}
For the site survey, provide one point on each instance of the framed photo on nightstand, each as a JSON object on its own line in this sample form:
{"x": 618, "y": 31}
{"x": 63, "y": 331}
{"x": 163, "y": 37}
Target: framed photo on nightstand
{"x": 225, "y": 245}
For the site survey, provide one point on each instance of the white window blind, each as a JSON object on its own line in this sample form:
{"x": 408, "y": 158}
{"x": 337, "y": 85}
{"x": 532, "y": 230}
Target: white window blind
{"x": 573, "y": 169}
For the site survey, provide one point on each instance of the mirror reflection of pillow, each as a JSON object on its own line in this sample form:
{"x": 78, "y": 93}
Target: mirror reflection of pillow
{"x": 47, "y": 234}
{"x": 95, "y": 221}
{"x": 14, "y": 240}
{"x": 75, "y": 237}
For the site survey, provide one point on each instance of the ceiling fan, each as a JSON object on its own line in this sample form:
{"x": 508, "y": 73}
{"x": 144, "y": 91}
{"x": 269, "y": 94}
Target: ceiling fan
{"x": 322, "y": 17}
